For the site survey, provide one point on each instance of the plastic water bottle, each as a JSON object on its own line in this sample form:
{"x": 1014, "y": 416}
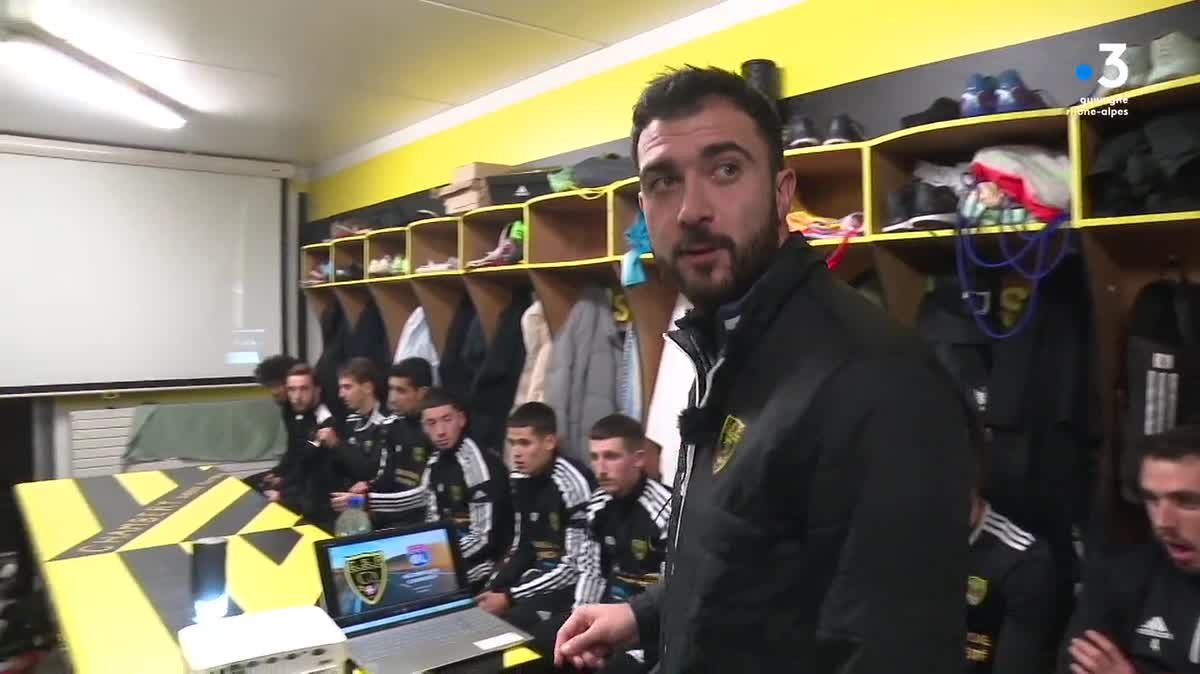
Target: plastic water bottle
{"x": 353, "y": 520}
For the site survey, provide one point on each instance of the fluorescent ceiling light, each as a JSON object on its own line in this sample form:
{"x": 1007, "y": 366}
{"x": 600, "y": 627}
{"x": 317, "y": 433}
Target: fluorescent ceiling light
{"x": 67, "y": 68}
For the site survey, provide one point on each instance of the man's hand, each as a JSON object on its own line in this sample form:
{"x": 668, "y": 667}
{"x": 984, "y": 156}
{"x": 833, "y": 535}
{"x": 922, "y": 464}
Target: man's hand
{"x": 340, "y": 500}
{"x": 271, "y": 480}
{"x": 360, "y": 488}
{"x": 272, "y": 495}
{"x": 327, "y": 437}
{"x": 592, "y": 632}
{"x": 495, "y": 603}
{"x": 1093, "y": 653}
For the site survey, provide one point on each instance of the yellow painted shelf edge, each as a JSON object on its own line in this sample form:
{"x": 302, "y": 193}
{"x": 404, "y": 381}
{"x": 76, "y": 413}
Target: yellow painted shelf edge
{"x": 951, "y": 233}
{"x": 978, "y": 120}
{"x": 493, "y": 209}
{"x": 819, "y": 149}
{"x": 430, "y": 221}
{"x": 1141, "y": 92}
{"x": 435, "y": 274}
{"x": 395, "y": 278}
{"x": 1140, "y": 219}
{"x": 387, "y": 230}
{"x": 349, "y": 239}
{"x": 315, "y": 246}
{"x": 586, "y": 193}
{"x": 613, "y": 187}
{"x": 497, "y": 268}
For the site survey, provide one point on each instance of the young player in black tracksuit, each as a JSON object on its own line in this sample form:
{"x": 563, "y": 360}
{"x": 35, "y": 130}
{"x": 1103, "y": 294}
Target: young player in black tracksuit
{"x": 1139, "y": 612}
{"x": 1010, "y": 598}
{"x": 358, "y": 456}
{"x": 550, "y": 495}
{"x": 406, "y": 450}
{"x": 627, "y": 534}
{"x": 300, "y": 480}
{"x": 462, "y": 484}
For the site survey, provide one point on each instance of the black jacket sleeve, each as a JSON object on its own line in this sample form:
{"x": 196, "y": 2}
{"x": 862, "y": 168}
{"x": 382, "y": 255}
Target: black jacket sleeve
{"x": 896, "y": 604}
{"x": 1025, "y": 644}
{"x": 1111, "y": 586}
{"x": 645, "y": 611}
{"x": 520, "y": 556}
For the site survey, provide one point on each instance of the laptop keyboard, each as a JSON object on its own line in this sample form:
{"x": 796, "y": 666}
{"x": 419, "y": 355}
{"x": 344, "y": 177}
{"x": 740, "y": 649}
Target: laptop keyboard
{"x": 428, "y": 633}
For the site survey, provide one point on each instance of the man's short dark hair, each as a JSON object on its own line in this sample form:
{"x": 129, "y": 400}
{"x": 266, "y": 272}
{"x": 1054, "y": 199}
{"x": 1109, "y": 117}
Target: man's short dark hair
{"x": 440, "y": 397}
{"x": 303, "y": 369}
{"x": 1176, "y": 444}
{"x": 273, "y": 370}
{"x": 417, "y": 371}
{"x": 619, "y": 426}
{"x": 360, "y": 369}
{"x": 538, "y": 416}
{"x": 679, "y": 93}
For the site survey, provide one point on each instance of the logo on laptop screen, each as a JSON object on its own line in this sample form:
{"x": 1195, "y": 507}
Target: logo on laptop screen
{"x": 419, "y": 554}
{"x": 365, "y": 573}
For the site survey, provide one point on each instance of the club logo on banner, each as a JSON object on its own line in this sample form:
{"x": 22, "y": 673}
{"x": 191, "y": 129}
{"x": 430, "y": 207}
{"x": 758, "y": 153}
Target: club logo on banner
{"x": 365, "y": 575}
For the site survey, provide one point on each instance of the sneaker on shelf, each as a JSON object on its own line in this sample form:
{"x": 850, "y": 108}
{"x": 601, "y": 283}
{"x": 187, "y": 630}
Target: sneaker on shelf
{"x": 1173, "y": 55}
{"x": 843, "y": 129}
{"x": 957, "y": 177}
{"x": 850, "y": 225}
{"x": 941, "y": 110}
{"x": 373, "y": 267}
{"x": 800, "y": 132}
{"x": 979, "y": 98}
{"x": 934, "y": 207}
{"x": 432, "y": 266}
{"x": 1137, "y": 60}
{"x": 1012, "y": 95}
{"x": 899, "y": 208}
{"x": 399, "y": 265}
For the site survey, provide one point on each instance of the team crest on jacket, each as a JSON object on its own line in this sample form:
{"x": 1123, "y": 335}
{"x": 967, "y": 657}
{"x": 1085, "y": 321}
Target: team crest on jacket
{"x": 419, "y": 454}
{"x": 640, "y": 547}
{"x": 731, "y": 435}
{"x": 456, "y": 492}
{"x": 976, "y": 590}
{"x": 554, "y": 523}
{"x": 365, "y": 575}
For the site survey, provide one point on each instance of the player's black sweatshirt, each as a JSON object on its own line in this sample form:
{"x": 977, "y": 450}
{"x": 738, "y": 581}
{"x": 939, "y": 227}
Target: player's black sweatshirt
{"x": 406, "y": 453}
{"x": 627, "y": 543}
{"x": 468, "y": 487}
{"x": 1146, "y": 606}
{"x": 359, "y": 456}
{"x": 551, "y": 531}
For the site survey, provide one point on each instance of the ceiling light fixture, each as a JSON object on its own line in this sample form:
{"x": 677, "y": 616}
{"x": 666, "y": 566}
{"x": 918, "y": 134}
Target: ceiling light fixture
{"x": 70, "y": 69}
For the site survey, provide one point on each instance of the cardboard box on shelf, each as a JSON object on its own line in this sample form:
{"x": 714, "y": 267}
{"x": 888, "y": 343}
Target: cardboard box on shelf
{"x": 476, "y": 170}
{"x": 510, "y": 188}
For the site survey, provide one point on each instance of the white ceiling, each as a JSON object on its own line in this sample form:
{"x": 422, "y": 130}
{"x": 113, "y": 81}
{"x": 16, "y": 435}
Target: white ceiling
{"x": 304, "y": 80}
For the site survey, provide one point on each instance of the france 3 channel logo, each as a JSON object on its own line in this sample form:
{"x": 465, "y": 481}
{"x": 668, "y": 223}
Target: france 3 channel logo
{"x": 1113, "y": 76}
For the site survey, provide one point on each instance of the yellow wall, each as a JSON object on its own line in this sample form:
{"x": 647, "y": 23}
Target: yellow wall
{"x": 818, "y": 44}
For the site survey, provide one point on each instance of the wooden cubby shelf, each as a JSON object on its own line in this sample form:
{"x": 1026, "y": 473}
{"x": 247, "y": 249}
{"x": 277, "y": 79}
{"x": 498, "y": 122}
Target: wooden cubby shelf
{"x": 389, "y": 242}
{"x": 567, "y": 226}
{"x": 434, "y": 240}
{"x": 577, "y": 239}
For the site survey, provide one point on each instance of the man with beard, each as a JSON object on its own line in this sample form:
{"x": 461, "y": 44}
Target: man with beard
{"x": 822, "y": 498}
{"x": 301, "y": 478}
{"x": 1139, "y": 612}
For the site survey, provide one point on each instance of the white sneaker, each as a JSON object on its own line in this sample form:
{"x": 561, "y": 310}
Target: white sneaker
{"x": 1174, "y": 55}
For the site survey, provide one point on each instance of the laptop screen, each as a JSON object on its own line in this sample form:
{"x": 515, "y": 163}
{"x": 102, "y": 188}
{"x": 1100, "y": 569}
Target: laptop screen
{"x": 391, "y": 578}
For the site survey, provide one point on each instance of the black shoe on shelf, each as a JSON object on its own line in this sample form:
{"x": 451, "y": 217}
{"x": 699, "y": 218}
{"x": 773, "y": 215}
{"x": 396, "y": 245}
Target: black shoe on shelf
{"x": 843, "y": 129}
{"x": 801, "y": 132}
{"x": 941, "y": 110}
{"x": 934, "y": 207}
{"x": 899, "y": 208}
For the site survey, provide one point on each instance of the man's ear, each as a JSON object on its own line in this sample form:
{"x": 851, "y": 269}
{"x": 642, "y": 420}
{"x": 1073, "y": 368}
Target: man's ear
{"x": 422, "y": 391}
{"x": 552, "y": 439}
{"x": 785, "y": 191}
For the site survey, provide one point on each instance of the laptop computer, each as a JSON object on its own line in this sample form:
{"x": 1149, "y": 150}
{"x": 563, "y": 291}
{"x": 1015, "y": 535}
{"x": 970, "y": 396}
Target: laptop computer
{"x": 401, "y": 598}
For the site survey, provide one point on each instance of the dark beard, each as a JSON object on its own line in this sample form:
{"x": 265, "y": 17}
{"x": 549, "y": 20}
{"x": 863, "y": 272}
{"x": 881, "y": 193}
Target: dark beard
{"x": 748, "y": 264}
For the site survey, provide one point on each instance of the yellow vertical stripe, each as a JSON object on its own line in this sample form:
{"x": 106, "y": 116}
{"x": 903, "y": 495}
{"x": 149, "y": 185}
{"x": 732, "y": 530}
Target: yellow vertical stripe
{"x": 179, "y": 525}
{"x": 274, "y": 516}
{"x": 57, "y": 515}
{"x": 106, "y": 621}
{"x": 146, "y": 485}
{"x": 257, "y": 583}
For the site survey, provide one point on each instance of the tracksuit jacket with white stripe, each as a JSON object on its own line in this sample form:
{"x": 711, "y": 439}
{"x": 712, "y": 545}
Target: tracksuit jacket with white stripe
{"x": 468, "y": 487}
{"x": 822, "y": 499}
{"x": 550, "y": 544}
{"x": 627, "y": 543}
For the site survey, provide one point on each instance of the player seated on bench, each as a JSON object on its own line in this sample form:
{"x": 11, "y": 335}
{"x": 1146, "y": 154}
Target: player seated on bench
{"x": 463, "y": 484}
{"x": 406, "y": 450}
{"x": 550, "y": 497}
{"x": 627, "y": 527}
{"x": 358, "y": 458}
